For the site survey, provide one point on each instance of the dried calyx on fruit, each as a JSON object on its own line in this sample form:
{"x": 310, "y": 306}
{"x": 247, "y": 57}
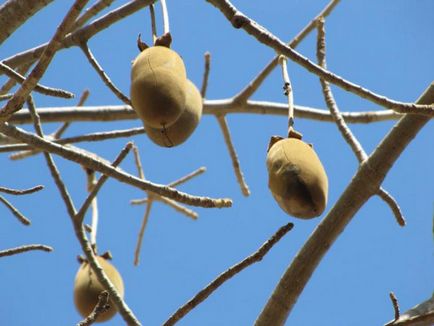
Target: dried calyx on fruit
{"x": 158, "y": 86}
{"x": 296, "y": 177}
{"x": 184, "y": 126}
{"x": 87, "y": 288}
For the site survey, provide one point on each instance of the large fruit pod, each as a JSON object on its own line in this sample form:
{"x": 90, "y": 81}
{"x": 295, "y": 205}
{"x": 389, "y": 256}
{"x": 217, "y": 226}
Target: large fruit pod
{"x": 87, "y": 288}
{"x": 179, "y": 131}
{"x": 297, "y": 178}
{"x": 158, "y": 86}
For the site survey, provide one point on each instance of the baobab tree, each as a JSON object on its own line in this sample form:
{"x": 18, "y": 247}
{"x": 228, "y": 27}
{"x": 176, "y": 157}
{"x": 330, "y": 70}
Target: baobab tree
{"x": 194, "y": 229}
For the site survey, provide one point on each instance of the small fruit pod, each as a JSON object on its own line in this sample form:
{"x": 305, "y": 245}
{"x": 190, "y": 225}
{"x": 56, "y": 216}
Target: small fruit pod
{"x": 158, "y": 86}
{"x": 296, "y": 178}
{"x": 87, "y": 288}
{"x": 182, "y": 129}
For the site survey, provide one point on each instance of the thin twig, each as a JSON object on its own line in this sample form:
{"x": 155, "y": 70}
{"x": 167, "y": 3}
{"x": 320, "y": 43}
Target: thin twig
{"x": 166, "y": 27}
{"x": 393, "y": 205}
{"x": 229, "y": 273}
{"x": 92, "y": 194}
{"x": 101, "y": 306}
{"x": 207, "y": 57}
{"x": 22, "y": 70}
{"x": 15, "y": 211}
{"x": 253, "y": 86}
{"x": 261, "y": 34}
{"x": 138, "y": 162}
{"x": 141, "y": 233}
{"x": 342, "y": 126}
{"x": 16, "y": 102}
{"x": 25, "y": 248}
{"x": 178, "y": 207}
{"x": 188, "y": 177}
{"x": 59, "y": 132}
{"x": 140, "y": 201}
{"x": 90, "y": 12}
{"x": 21, "y": 191}
{"x": 56, "y": 92}
{"x": 233, "y": 154}
{"x": 105, "y": 78}
{"x": 395, "y": 305}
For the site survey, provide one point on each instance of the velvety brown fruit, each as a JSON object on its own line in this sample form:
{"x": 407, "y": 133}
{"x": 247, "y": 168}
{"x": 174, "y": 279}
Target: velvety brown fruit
{"x": 179, "y": 131}
{"x": 87, "y": 288}
{"x": 297, "y": 178}
{"x": 158, "y": 86}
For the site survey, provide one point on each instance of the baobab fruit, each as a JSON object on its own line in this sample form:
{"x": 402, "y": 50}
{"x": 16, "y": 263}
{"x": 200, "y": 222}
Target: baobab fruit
{"x": 158, "y": 86}
{"x": 296, "y": 178}
{"x": 179, "y": 131}
{"x": 87, "y": 288}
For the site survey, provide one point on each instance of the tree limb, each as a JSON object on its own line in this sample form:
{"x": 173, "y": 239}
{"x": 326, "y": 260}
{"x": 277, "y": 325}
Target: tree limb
{"x": 363, "y": 185}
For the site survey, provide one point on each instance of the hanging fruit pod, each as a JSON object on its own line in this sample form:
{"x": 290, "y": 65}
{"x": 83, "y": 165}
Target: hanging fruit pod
{"x": 158, "y": 86}
{"x": 184, "y": 126}
{"x": 87, "y": 288}
{"x": 296, "y": 178}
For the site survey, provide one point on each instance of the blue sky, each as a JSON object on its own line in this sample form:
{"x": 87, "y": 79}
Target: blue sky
{"x": 385, "y": 46}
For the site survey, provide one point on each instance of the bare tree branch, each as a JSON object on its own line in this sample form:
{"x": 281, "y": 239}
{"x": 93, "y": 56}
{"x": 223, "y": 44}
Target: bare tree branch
{"x": 20, "y": 11}
{"x": 21, "y": 192}
{"x": 253, "y": 86}
{"x": 96, "y": 188}
{"x": 82, "y": 34}
{"x": 15, "y": 211}
{"x": 363, "y": 185}
{"x": 94, "y": 10}
{"x": 105, "y": 78}
{"x": 228, "y": 274}
{"x": 266, "y": 38}
{"x": 205, "y": 78}
{"x": 97, "y": 136}
{"x": 214, "y": 107}
{"x": 38, "y": 87}
{"x": 342, "y": 126}
{"x": 16, "y": 102}
{"x": 24, "y": 248}
{"x": 93, "y": 164}
{"x": 233, "y": 154}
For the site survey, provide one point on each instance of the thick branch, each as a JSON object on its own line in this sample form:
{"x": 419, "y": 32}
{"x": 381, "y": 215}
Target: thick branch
{"x": 214, "y": 107}
{"x": 14, "y": 13}
{"x": 364, "y": 184}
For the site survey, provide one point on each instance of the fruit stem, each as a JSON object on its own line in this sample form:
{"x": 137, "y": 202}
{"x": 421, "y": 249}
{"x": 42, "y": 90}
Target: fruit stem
{"x": 166, "y": 28}
{"x": 287, "y": 88}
